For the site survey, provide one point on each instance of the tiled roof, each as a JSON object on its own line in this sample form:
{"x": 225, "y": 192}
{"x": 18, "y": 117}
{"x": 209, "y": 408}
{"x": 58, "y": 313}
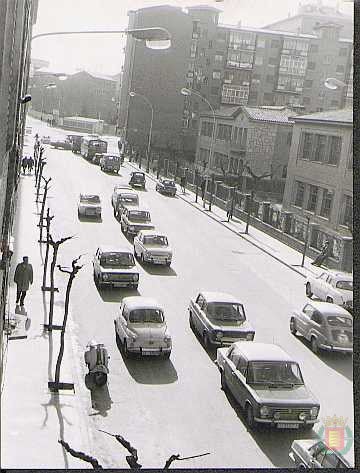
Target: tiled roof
{"x": 343, "y": 115}
{"x": 269, "y": 114}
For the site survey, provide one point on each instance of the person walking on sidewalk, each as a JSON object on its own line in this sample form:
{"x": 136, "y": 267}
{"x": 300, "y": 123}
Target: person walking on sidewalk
{"x": 23, "y": 277}
{"x": 30, "y": 163}
{"x": 183, "y": 183}
{"x": 229, "y": 209}
{"x": 24, "y": 163}
{"x": 324, "y": 254}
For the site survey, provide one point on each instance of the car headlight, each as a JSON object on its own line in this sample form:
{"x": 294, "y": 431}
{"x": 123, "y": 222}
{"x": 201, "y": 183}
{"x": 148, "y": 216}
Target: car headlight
{"x": 342, "y": 338}
{"x": 131, "y": 228}
{"x": 135, "y": 277}
{"x": 218, "y": 335}
{"x": 277, "y": 415}
{"x": 264, "y": 411}
{"x": 314, "y": 411}
{"x": 167, "y": 339}
{"x": 105, "y": 276}
{"x": 302, "y": 416}
{"x": 250, "y": 336}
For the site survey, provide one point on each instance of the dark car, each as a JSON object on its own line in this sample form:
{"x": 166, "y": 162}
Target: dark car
{"x": 312, "y": 453}
{"x": 62, "y": 144}
{"x": 137, "y": 179}
{"x": 166, "y": 186}
{"x": 76, "y": 143}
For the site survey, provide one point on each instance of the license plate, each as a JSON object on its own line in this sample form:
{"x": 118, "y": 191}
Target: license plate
{"x": 121, "y": 284}
{"x": 287, "y": 426}
{"x": 148, "y": 352}
{"x": 159, "y": 261}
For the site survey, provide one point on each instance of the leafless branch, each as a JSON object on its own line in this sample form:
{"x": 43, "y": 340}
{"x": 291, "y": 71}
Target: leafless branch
{"x": 177, "y": 457}
{"x": 132, "y": 459}
{"x": 95, "y": 464}
{"x": 74, "y": 266}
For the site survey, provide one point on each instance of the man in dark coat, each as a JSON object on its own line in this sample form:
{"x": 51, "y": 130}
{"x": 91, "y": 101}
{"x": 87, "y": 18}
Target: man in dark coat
{"x": 23, "y": 277}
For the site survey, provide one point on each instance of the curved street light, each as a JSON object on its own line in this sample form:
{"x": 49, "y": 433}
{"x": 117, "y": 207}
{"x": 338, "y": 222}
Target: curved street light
{"x": 333, "y": 84}
{"x": 134, "y": 94}
{"x": 187, "y": 92}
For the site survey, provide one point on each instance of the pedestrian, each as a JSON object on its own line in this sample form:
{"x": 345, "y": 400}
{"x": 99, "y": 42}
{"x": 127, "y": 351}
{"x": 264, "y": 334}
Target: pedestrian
{"x": 202, "y": 189}
{"x": 42, "y": 149}
{"x": 229, "y": 209}
{"x": 183, "y": 184}
{"x": 23, "y": 277}
{"x": 24, "y": 163}
{"x": 324, "y": 254}
{"x": 30, "y": 163}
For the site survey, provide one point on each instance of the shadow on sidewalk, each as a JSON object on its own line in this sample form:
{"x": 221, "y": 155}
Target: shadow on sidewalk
{"x": 100, "y": 397}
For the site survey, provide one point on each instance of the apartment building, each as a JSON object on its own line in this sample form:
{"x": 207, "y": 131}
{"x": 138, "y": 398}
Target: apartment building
{"x": 319, "y": 182}
{"x": 228, "y": 65}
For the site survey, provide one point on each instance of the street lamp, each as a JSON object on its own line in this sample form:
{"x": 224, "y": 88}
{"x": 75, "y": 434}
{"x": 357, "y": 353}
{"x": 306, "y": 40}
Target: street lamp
{"x": 186, "y": 91}
{"x": 134, "y": 94}
{"x": 333, "y": 84}
{"x": 48, "y": 86}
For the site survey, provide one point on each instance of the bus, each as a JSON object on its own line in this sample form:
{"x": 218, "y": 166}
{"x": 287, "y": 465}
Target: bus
{"x": 91, "y": 146}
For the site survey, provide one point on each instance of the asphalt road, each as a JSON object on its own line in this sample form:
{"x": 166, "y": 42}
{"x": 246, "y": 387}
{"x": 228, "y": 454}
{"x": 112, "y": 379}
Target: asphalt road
{"x": 177, "y": 406}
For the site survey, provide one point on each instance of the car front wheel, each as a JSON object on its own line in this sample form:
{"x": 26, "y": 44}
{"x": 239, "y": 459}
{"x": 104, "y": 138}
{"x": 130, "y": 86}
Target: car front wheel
{"x": 250, "y": 416}
{"x": 223, "y": 381}
{"x": 293, "y": 328}
{"x": 314, "y": 345}
{"x": 308, "y": 290}
{"x": 206, "y": 340}
{"x": 330, "y": 299}
{"x": 125, "y": 349}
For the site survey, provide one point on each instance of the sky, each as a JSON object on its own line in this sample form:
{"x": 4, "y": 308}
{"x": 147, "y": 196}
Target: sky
{"x": 103, "y": 54}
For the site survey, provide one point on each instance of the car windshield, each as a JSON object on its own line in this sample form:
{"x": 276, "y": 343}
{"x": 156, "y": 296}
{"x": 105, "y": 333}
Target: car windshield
{"x": 139, "y": 216}
{"x": 113, "y": 158}
{"x": 138, "y": 175}
{"x": 169, "y": 183}
{"x": 115, "y": 260}
{"x": 345, "y": 285}
{"x": 155, "y": 240}
{"x": 339, "y": 321}
{"x": 274, "y": 373}
{"x": 146, "y": 316}
{"x": 226, "y": 311}
{"x": 128, "y": 198}
{"x": 90, "y": 199}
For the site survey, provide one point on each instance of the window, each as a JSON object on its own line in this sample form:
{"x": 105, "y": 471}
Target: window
{"x": 261, "y": 43}
{"x": 208, "y": 61}
{"x": 207, "y": 129}
{"x": 340, "y": 68}
{"x": 242, "y": 40}
{"x": 224, "y": 132}
{"x": 216, "y": 75}
{"x": 242, "y": 365}
{"x": 214, "y": 90}
{"x": 335, "y": 150}
{"x": 239, "y": 136}
{"x": 314, "y": 48}
{"x": 290, "y": 84}
{"x": 299, "y": 195}
{"x": 326, "y": 203}
{"x": 293, "y": 64}
{"x": 295, "y": 47}
{"x": 308, "y": 83}
{"x": 312, "y": 200}
{"x": 316, "y": 317}
{"x": 235, "y": 94}
{"x": 240, "y": 59}
{"x": 218, "y": 57}
{"x": 275, "y": 43}
{"x": 347, "y": 210}
{"x": 210, "y": 44}
{"x": 284, "y": 172}
{"x": 193, "y": 49}
{"x": 311, "y": 65}
{"x": 342, "y": 51}
{"x": 308, "y": 310}
{"x": 327, "y": 59}
{"x": 258, "y": 60}
{"x": 206, "y": 81}
{"x": 320, "y": 147}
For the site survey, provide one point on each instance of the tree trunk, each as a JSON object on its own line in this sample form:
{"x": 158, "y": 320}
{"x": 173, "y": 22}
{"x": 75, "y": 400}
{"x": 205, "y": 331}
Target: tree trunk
{"x": 62, "y": 338}
{"x": 47, "y": 250}
{"x": 52, "y": 269}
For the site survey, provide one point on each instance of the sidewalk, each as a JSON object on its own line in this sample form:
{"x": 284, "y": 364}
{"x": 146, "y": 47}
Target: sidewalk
{"x": 266, "y": 243}
{"x": 33, "y": 418}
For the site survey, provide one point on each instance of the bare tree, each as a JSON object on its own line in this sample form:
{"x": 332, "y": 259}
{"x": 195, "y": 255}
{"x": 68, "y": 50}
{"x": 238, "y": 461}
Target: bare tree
{"x": 41, "y": 219}
{"x": 81, "y": 455}
{"x": 48, "y": 219}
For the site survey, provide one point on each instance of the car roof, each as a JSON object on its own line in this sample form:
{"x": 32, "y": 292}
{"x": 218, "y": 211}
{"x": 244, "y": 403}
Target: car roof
{"x": 122, "y": 186}
{"x": 328, "y": 308}
{"x": 114, "y": 249}
{"x": 255, "y": 351}
{"x": 339, "y": 275}
{"x": 138, "y": 172}
{"x": 140, "y": 302}
{"x": 112, "y": 154}
{"x": 83, "y": 194}
{"x": 152, "y": 232}
{"x": 138, "y": 209}
{"x": 218, "y": 297}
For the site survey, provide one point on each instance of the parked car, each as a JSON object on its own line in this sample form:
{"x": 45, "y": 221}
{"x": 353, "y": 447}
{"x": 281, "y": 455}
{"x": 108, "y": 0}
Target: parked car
{"x": 76, "y": 143}
{"x": 268, "y": 385}
{"x": 125, "y": 200}
{"x": 89, "y": 206}
{"x": 111, "y": 162}
{"x": 115, "y": 267}
{"x": 117, "y": 191}
{"x": 96, "y": 158}
{"x": 219, "y": 319}
{"x": 134, "y": 220}
{"x": 152, "y": 247}
{"x": 141, "y": 327}
{"x": 326, "y": 326}
{"x": 313, "y": 453}
{"x": 166, "y": 186}
{"x": 331, "y": 286}
{"x": 46, "y": 140}
{"x": 62, "y": 144}
{"x": 137, "y": 179}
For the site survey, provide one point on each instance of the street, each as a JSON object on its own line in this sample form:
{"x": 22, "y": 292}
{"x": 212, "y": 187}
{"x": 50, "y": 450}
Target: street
{"x": 177, "y": 406}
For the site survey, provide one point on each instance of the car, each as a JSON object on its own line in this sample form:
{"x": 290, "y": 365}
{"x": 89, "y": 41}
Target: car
{"x": 141, "y": 327}
{"x": 117, "y": 190}
{"x": 89, "y": 206}
{"x": 326, "y": 326}
{"x": 63, "y": 144}
{"x": 331, "y": 286}
{"x": 268, "y": 385}
{"x": 125, "y": 199}
{"x": 137, "y": 179}
{"x": 111, "y": 162}
{"x": 166, "y": 186}
{"x": 219, "y": 319}
{"x": 114, "y": 267}
{"x": 313, "y": 453}
{"x": 46, "y": 140}
{"x": 134, "y": 220}
{"x": 152, "y": 247}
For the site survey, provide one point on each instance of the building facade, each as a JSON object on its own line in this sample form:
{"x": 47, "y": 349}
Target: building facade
{"x": 16, "y": 21}
{"x": 228, "y": 65}
{"x": 83, "y": 93}
{"x": 259, "y": 137}
{"x": 319, "y": 183}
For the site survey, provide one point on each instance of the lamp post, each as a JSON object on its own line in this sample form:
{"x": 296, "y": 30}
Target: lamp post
{"x": 185, "y": 91}
{"x": 48, "y": 86}
{"x": 134, "y": 94}
{"x": 306, "y": 239}
{"x": 334, "y": 84}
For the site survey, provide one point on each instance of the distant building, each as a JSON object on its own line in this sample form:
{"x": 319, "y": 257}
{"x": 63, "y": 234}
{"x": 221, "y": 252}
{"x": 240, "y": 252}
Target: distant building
{"x": 83, "y": 93}
{"x": 37, "y": 64}
{"x": 229, "y": 66}
{"x": 257, "y": 136}
{"x": 320, "y": 180}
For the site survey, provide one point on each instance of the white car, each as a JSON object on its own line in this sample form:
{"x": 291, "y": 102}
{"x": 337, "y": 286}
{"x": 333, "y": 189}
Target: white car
{"x": 125, "y": 199}
{"x": 46, "y": 140}
{"x": 89, "y": 206}
{"x": 117, "y": 191}
{"x": 152, "y": 247}
{"x": 115, "y": 267}
{"x": 141, "y": 327}
{"x": 314, "y": 453}
{"x": 133, "y": 220}
{"x": 331, "y": 286}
